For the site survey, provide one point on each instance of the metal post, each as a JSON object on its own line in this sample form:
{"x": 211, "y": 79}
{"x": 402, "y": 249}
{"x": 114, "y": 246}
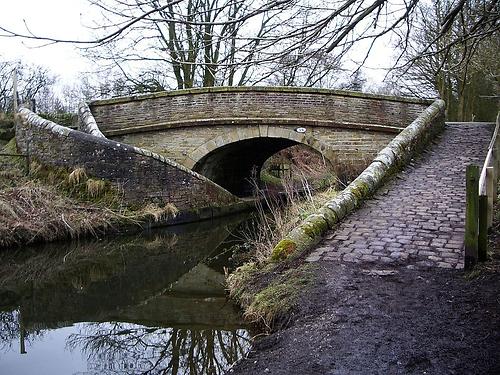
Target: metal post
{"x": 490, "y": 183}
{"x": 471, "y": 215}
{"x": 482, "y": 241}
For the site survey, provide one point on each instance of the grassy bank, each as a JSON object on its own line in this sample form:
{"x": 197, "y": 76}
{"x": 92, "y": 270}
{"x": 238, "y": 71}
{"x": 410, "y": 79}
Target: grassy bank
{"x": 269, "y": 284}
{"x": 43, "y": 203}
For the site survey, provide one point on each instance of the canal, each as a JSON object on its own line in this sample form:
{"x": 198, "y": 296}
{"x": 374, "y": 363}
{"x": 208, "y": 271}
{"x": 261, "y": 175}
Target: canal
{"x": 148, "y": 303}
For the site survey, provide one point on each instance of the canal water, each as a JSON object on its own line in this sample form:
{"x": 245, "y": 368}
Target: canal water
{"x": 151, "y": 303}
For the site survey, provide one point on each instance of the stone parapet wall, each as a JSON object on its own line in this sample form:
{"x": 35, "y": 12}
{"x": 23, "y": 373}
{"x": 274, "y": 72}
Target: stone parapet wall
{"x": 388, "y": 160}
{"x": 86, "y": 121}
{"x": 143, "y": 176}
{"x": 186, "y": 107}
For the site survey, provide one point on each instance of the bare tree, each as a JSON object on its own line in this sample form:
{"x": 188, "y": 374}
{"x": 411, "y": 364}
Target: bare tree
{"x": 458, "y": 72}
{"x": 32, "y": 80}
{"x": 338, "y": 18}
{"x": 148, "y": 350}
{"x": 223, "y": 42}
{"x": 187, "y": 43}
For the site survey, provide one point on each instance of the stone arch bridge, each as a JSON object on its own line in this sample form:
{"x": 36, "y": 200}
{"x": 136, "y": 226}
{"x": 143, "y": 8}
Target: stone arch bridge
{"x": 196, "y": 148}
{"x": 227, "y": 133}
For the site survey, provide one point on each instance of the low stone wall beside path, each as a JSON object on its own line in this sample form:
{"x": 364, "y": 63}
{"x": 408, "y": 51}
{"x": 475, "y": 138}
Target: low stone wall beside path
{"x": 390, "y": 159}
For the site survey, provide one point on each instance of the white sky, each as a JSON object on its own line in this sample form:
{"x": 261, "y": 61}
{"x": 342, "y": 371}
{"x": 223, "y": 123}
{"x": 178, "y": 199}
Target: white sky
{"x": 54, "y": 18}
{"x": 68, "y": 19}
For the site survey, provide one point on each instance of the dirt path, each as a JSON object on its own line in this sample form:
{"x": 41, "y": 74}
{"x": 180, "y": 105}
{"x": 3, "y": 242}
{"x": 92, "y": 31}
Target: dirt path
{"x": 384, "y": 302}
{"x": 409, "y": 322}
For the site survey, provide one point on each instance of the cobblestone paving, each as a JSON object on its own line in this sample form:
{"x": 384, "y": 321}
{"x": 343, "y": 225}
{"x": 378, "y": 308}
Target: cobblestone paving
{"x": 417, "y": 218}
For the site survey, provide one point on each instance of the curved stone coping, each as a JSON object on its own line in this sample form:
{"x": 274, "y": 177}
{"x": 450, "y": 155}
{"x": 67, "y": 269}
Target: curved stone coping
{"x": 240, "y": 89}
{"x": 252, "y": 121}
{"x": 35, "y": 120}
{"x": 87, "y": 122}
{"x": 312, "y": 229}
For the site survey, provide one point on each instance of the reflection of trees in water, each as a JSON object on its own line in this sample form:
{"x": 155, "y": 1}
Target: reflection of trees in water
{"x": 9, "y": 328}
{"x": 12, "y": 331}
{"x": 131, "y": 349}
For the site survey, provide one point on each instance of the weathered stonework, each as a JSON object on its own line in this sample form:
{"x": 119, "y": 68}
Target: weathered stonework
{"x": 397, "y": 152}
{"x": 184, "y": 107}
{"x": 86, "y": 121}
{"x": 142, "y": 175}
{"x": 162, "y": 140}
{"x": 227, "y": 133}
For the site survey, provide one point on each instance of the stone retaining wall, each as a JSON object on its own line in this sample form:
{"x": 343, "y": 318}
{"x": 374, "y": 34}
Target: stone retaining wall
{"x": 142, "y": 175}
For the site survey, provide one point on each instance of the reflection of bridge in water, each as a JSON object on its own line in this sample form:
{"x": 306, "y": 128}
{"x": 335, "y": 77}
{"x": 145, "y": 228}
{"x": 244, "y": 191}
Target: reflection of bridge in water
{"x": 162, "y": 291}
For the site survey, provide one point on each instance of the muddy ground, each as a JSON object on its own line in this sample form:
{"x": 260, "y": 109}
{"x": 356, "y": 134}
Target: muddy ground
{"x": 400, "y": 321}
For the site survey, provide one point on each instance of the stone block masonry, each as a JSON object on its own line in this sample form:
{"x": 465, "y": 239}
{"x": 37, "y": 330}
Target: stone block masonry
{"x": 227, "y": 133}
{"x": 142, "y": 175}
{"x": 347, "y": 147}
{"x": 187, "y": 106}
{"x": 396, "y": 154}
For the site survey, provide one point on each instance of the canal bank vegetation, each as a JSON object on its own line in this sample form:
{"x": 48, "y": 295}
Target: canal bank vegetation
{"x": 269, "y": 284}
{"x": 41, "y": 203}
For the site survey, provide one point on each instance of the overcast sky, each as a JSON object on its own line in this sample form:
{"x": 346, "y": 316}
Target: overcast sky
{"x": 68, "y": 19}
{"x": 55, "y": 18}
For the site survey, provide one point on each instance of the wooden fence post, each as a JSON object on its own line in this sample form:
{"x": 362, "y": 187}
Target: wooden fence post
{"x": 471, "y": 214}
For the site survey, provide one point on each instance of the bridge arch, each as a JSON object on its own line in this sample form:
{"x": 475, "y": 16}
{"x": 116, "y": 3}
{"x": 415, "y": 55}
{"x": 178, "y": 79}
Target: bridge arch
{"x": 231, "y": 159}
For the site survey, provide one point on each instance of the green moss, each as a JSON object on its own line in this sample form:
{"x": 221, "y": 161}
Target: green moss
{"x": 239, "y": 281}
{"x": 283, "y": 249}
{"x": 314, "y": 226}
{"x": 360, "y": 190}
{"x": 273, "y": 303}
{"x": 269, "y": 179}
{"x": 329, "y": 216}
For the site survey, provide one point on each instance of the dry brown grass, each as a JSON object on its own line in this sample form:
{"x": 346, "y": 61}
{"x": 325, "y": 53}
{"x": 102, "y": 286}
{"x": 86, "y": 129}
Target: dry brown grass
{"x": 77, "y": 176}
{"x": 268, "y": 290}
{"x": 31, "y": 213}
{"x": 158, "y": 213}
{"x": 274, "y": 221}
{"x": 53, "y": 203}
{"x": 95, "y": 188}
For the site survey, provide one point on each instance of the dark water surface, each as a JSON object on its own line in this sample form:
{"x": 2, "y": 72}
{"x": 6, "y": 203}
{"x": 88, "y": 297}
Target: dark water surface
{"x": 152, "y": 303}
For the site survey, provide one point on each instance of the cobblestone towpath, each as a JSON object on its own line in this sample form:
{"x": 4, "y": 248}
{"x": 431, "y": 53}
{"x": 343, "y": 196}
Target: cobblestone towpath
{"x": 379, "y": 304}
{"x": 418, "y": 218}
